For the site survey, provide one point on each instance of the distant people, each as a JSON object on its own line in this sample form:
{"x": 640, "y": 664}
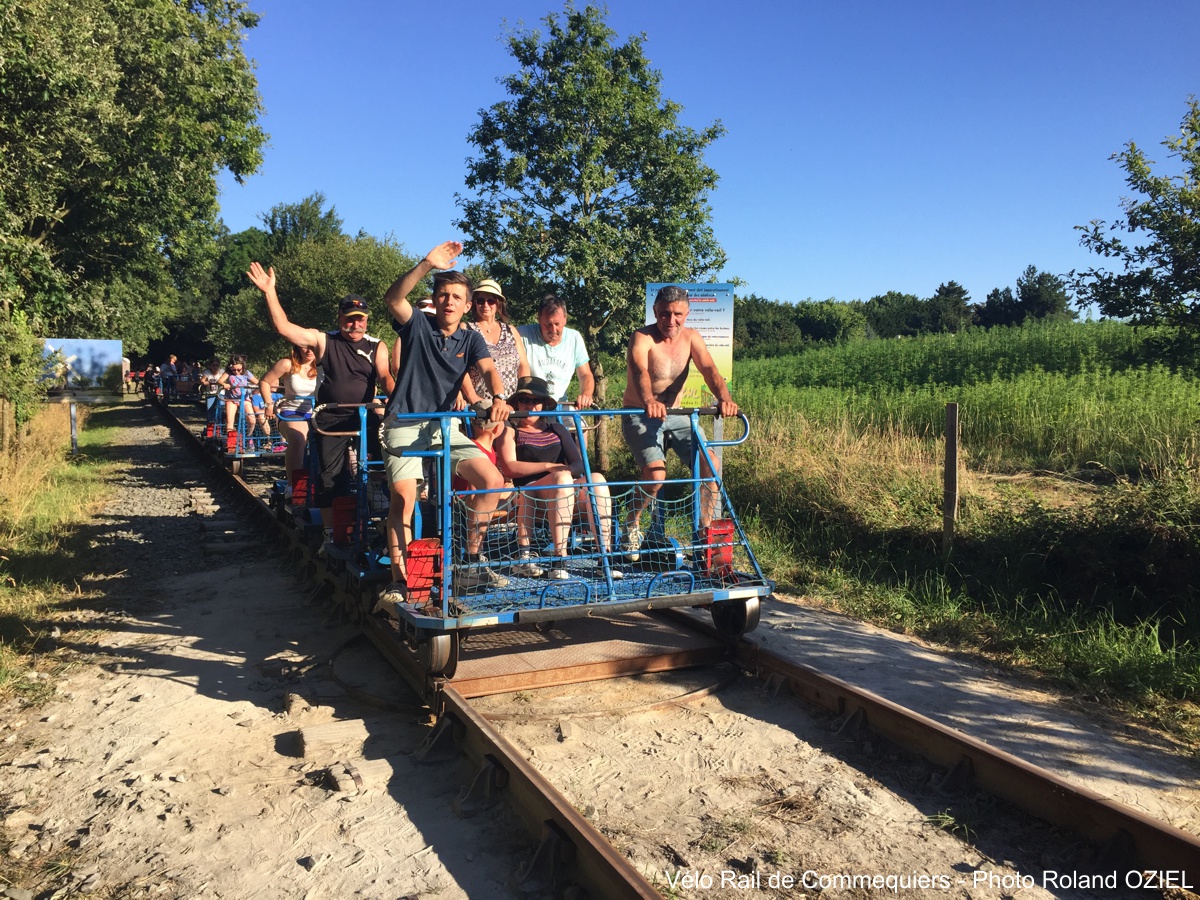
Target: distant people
{"x": 556, "y": 352}
{"x": 237, "y": 381}
{"x": 168, "y": 373}
{"x": 210, "y": 382}
{"x": 296, "y": 377}
{"x": 434, "y": 363}
{"x": 658, "y": 361}
{"x": 543, "y": 459}
{"x": 490, "y": 318}
{"x": 353, "y": 364}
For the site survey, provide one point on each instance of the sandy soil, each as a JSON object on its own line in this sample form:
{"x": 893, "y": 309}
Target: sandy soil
{"x": 168, "y": 763}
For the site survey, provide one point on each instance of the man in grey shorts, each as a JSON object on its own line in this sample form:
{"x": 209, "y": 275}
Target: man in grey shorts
{"x": 658, "y": 361}
{"x": 437, "y": 354}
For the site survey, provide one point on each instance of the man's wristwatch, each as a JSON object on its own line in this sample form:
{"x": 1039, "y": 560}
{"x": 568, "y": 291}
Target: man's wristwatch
{"x": 499, "y": 397}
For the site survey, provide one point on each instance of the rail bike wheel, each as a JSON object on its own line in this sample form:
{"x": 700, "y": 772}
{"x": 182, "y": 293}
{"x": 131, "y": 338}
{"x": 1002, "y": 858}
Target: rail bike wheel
{"x": 734, "y": 618}
{"x": 439, "y": 654}
{"x": 235, "y": 466}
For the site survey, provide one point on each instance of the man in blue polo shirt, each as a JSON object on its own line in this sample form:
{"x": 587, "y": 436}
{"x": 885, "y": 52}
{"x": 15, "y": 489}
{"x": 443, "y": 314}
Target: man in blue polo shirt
{"x": 437, "y": 354}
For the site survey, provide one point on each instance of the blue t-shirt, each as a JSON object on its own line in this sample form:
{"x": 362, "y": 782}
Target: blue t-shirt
{"x": 432, "y": 365}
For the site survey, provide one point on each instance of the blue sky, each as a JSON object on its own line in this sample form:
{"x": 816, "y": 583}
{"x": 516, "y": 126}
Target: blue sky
{"x": 871, "y": 146}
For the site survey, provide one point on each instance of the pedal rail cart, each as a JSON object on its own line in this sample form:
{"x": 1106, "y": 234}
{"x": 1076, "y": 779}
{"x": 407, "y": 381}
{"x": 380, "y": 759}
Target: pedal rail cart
{"x": 680, "y": 561}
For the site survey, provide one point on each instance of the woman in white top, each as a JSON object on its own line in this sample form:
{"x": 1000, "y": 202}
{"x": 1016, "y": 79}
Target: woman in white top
{"x": 297, "y": 374}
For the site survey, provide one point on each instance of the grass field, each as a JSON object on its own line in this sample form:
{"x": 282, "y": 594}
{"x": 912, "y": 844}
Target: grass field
{"x": 1076, "y": 541}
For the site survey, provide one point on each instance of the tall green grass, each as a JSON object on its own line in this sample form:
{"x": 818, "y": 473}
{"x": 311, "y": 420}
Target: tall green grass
{"x": 1061, "y": 397}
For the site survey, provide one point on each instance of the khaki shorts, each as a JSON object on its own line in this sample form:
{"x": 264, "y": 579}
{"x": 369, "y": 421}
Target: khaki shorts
{"x": 423, "y": 436}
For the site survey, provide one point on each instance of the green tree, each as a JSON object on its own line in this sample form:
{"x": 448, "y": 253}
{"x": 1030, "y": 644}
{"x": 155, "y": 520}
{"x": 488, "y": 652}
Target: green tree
{"x": 1041, "y": 295}
{"x": 950, "y": 307}
{"x": 290, "y": 224}
{"x": 1160, "y": 281}
{"x": 115, "y": 118}
{"x": 897, "y": 315}
{"x": 1000, "y": 308}
{"x": 586, "y": 182}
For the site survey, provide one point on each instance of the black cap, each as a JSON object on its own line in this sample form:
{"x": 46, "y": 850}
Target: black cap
{"x": 352, "y": 303}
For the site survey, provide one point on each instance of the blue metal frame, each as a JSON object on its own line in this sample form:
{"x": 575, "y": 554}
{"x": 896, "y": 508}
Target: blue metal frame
{"x": 683, "y": 583}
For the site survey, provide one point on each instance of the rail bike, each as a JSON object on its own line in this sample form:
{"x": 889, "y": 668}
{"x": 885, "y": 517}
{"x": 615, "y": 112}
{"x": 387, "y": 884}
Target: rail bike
{"x": 246, "y": 441}
{"x": 685, "y": 558}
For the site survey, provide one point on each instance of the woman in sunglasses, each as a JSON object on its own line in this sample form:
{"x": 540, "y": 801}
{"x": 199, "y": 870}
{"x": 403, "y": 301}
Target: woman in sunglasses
{"x": 237, "y": 381}
{"x": 507, "y": 349}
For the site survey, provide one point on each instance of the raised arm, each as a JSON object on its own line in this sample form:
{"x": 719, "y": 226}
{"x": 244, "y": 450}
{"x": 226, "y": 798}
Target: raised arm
{"x": 712, "y": 376}
{"x": 443, "y": 256}
{"x": 264, "y": 280}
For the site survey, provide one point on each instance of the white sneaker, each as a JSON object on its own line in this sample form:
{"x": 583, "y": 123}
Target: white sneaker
{"x": 527, "y": 568}
{"x": 473, "y": 577}
{"x": 558, "y": 573}
{"x": 631, "y": 543}
{"x": 390, "y": 597}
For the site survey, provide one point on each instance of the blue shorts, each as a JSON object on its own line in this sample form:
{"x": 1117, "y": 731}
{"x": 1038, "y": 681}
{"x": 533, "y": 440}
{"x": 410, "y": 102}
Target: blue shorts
{"x": 650, "y": 439}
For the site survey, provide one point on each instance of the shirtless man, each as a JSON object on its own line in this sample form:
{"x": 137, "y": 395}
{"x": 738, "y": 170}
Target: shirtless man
{"x": 658, "y": 362}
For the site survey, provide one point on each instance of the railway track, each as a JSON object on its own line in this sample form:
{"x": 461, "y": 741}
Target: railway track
{"x": 570, "y": 849}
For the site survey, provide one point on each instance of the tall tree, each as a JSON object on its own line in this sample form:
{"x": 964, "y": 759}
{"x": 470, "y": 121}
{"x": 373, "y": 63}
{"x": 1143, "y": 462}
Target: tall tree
{"x": 115, "y": 117}
{"x": 1041, "y": 295}
{"x": 1000, "y": 308}
{"x": 897, "y": 315}
{"x": 1160, "y": 283}
{"x": 292, "y": 223}
{"x": 586, "y": 182}
{"x": 950, "y": 307}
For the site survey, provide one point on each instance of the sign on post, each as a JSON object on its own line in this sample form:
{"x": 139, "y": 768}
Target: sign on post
{"x": 711, "y": 314}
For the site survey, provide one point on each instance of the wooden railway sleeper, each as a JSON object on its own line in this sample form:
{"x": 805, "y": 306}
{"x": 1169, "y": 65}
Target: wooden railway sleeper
{"x": 483, "y": 791}
{"x": 549, "y": 870}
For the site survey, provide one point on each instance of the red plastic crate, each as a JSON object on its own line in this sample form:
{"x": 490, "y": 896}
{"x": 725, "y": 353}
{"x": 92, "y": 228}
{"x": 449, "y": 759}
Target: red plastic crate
{"x": 718, "y": 546}
{"x": 424, "y": 563}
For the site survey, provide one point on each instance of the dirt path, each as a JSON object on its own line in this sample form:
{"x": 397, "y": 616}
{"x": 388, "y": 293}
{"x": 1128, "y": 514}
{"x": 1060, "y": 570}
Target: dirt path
{"x": 168, "y": 765}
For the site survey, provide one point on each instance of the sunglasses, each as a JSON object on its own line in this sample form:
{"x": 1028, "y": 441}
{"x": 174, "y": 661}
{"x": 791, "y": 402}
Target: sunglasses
{"x": 490, "y": 301}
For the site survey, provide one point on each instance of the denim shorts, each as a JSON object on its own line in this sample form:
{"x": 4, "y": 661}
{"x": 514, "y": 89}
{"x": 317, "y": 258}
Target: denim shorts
{"x": 650, "y": 439}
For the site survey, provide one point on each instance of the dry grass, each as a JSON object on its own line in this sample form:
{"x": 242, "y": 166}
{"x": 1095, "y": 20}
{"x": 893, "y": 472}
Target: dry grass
{"x": 44, "y": 493}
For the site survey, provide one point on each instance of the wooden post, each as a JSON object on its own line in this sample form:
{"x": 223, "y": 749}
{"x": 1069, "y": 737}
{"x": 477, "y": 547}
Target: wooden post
{"x": 950, "y": 492}
{"x": 601, "y": 464}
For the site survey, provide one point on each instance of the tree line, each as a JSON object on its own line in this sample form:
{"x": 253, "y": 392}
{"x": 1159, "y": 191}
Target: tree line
{"x": 773, "y": 327}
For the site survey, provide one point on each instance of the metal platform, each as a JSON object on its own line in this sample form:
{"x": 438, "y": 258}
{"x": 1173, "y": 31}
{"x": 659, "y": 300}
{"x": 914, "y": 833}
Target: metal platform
{"x": 578, "y": 650}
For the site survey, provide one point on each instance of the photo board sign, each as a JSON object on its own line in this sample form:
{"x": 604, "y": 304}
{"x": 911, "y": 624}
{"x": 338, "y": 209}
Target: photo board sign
{"x": 711, "y": 314}
{"x": 84, "y": 358}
